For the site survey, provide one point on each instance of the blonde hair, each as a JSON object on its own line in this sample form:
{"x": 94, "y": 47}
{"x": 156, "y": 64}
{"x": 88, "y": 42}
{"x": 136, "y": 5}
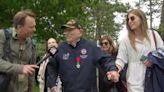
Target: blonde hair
{"x": 144, "y": 26}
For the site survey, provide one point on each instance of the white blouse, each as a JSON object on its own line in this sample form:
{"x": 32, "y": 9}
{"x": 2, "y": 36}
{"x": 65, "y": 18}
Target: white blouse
{"x": 136, "y": 69}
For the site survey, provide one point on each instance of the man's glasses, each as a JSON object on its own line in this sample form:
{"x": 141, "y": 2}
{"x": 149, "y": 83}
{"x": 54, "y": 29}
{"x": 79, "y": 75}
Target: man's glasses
{"x": 104, "y": 43}
{"x": 132, "y": 18}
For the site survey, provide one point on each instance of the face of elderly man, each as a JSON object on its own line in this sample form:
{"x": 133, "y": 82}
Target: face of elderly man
{"x": 72, "y": 34}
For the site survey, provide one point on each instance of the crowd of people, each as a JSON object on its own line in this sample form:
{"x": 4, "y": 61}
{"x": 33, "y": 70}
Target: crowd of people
{"x": 73, "y": 64}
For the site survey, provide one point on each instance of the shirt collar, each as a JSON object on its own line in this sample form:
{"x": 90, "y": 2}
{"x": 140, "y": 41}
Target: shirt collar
{"x": 15, "y": 36}
{"x": 75, "y": 43}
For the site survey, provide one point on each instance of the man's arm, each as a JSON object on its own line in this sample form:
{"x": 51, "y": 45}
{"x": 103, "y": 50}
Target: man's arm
{"x": 107, "y": 63}
{"x": 110, "y": 68}
{"x": 4, "y": 65}
{"x": 7, "y": 67}
{"x": 52, "y": 73}
{"x": 10, "y": 68}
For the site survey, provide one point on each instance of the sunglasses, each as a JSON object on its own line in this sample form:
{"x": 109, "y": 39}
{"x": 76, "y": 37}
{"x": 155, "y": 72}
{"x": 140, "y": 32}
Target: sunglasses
{"x": 132, "y": 18}
{"x": 104, "y": 43}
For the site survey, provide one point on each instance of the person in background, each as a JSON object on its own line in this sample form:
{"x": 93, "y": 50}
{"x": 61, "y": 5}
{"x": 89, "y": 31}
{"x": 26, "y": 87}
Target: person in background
{"x": 108, "y": 46}
{"x": 42, "y": 74}
{"x": 76, "y": 62}
{"x": 134, "y": 48}
{"x": 17, "y": 64}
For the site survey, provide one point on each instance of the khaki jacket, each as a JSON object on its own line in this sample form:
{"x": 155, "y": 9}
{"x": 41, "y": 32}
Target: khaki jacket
{"x": 20, "y": 54}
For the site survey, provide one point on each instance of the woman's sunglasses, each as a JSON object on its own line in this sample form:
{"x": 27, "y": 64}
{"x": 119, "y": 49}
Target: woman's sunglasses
{"x": 132, "y": 18}
{"x": 104, "y": 43}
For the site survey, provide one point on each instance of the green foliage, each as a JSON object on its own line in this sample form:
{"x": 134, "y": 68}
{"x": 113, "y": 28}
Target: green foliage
{"x": 102, "y": 18}
{"x": 161, "y": 31}
{"x": 41, "y": 49}
{"x": 152, "y": 11}
{"x": 51, "y": 14}
{"x": 96, "y": 16}
{"x": 161, "y": 28}
{"x": 36, "y": 87}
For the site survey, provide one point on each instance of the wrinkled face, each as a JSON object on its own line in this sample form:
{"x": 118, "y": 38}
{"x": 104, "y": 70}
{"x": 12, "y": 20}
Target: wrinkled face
{"x": 72, "y": 35}
{"x": 133, "y": 22}
{"x": 105, "y": 45}
{"x": 28, "y": 29}
{"x": 51, "y": 43}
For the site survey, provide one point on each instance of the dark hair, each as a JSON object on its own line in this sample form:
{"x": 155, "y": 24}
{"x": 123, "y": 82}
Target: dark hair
{"x": 47, "y": 43}
{"x": 19, "y": 18}
{"x": 112, "y": 50}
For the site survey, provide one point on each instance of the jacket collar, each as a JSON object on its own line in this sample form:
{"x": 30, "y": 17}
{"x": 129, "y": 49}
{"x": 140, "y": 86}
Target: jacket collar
{"x": 15, "y": 35}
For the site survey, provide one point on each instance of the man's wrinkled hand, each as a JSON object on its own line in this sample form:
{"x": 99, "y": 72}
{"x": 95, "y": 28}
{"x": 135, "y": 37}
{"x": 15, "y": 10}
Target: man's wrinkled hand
{"x": 54, "y": 89}
{"x": 113, "y": 76}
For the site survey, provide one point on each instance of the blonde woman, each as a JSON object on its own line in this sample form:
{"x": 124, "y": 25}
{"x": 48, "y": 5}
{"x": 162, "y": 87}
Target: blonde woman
{"x": 134, "y": 47}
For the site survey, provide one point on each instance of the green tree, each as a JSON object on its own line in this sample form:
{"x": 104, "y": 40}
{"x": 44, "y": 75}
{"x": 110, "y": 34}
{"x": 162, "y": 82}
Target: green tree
{"x": 161, "y": 28}
{"x": 153, "y": 9}
{"x": 101, "y": 18}
{"x": 96, "y": 16}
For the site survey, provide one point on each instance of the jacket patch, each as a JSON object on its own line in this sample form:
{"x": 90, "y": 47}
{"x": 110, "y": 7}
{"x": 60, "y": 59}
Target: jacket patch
{"x": 83, "y": 51}
{"x": 83, "y": 54}
{"x": 66, "y": 56}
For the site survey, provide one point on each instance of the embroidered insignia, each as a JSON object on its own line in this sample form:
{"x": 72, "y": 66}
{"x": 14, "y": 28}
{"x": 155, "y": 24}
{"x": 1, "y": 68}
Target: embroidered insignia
{"x": 66, "y": 56}
{"x": 83, "y": 56}
{"x": 83, "y": 51}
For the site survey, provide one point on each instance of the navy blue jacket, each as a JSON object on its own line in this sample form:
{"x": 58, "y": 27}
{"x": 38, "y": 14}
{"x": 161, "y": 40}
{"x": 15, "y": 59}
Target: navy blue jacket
{"x": 154, "y": 78}
{"x": 75, "y": 79}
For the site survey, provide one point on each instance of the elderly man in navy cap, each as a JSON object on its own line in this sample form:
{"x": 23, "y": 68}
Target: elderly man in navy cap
{"x": 76, "y": 62}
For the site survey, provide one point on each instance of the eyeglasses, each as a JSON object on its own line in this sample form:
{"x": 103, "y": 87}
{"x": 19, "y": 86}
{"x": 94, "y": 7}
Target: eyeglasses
{"x": 105, "y": 43}
{"x": 132, "y": 18}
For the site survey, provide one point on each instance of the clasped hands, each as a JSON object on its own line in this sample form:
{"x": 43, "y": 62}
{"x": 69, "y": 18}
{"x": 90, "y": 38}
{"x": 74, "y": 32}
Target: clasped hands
{"x": 113, "y": 76}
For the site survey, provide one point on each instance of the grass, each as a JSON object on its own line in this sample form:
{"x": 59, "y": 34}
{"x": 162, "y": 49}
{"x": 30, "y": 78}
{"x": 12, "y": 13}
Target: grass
{"x": 36, "y": 87}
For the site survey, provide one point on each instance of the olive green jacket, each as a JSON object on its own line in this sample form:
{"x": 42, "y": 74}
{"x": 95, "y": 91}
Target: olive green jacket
{"x": 20, "y": 54}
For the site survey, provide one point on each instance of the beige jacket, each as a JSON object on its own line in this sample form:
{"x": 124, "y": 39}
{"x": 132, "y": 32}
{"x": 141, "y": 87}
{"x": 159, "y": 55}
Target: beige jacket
{"x": 41, "y": 74}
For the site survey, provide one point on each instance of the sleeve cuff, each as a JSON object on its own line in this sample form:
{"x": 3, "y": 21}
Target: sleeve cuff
{"x": 18, "y": 68}
{"x": 120, "y": 63}
{"x": 114, "y": 68}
